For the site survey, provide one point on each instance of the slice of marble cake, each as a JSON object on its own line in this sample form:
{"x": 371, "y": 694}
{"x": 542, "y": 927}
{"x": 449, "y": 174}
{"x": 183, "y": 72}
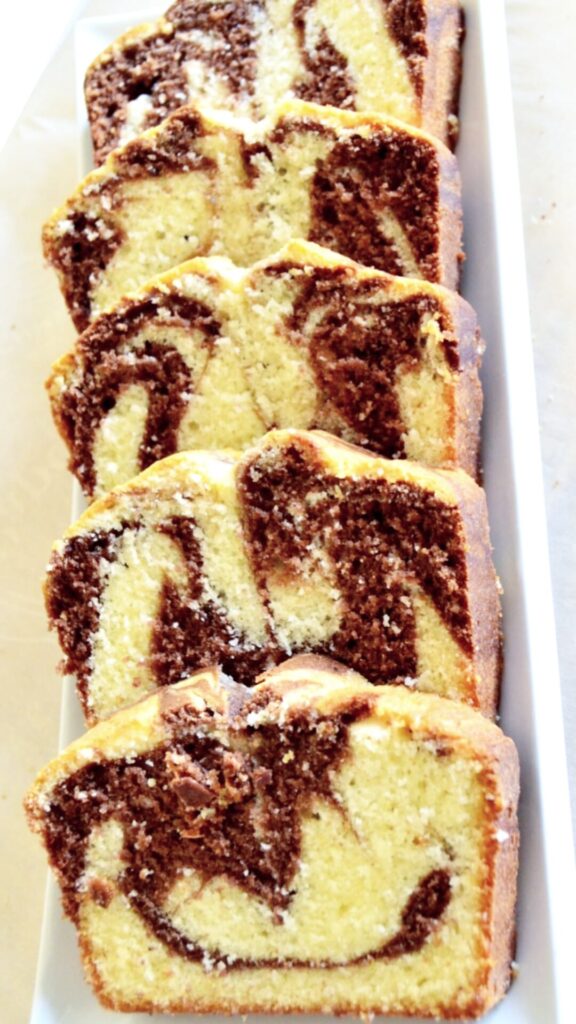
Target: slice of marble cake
{"x": 206, "y": 183}
{"x": 209, "y": 356}
{"x": 247, "y": 55}
{"x": 314, "y": 844}
{"x": 301, "y": 544}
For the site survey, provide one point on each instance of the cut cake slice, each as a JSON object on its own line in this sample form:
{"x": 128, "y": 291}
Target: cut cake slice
{"x": 302, "y": 544}
{"x": 247, "y": 55}
{"x": 209, "y": 356}
{"x": 314, "y": 844}
{"x": 206, "y": 183}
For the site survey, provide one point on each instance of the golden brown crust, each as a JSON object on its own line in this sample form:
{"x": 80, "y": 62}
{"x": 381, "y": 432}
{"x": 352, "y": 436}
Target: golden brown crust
{"x": 503, "y": 882}
{"x": 485, "y": 607}
{"x": 475, "y": 1009}
{"x": 450, "y": 227}
{"x": 468, "y": 414}
{"x": 444, "y": 40}
{"x": 469, "y": 397}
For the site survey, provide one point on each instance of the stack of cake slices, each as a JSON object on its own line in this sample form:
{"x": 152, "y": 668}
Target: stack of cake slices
{"x": 279, "y": 607}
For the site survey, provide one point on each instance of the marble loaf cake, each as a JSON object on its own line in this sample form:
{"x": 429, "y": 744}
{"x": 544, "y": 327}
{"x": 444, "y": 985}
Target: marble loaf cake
{"x": 206, "y": 183}
{"x": 302, "y": 544}
{"x": 209, "y": 356}
{"x": 247, "y": 55}
{"x": 313, "y": 844}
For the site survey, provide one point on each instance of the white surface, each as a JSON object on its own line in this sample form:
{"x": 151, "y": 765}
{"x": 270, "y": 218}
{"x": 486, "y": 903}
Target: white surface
{"x": 542, "y": 43}
{"x": 20, "y": 70}
{"x": 494, "y": 282}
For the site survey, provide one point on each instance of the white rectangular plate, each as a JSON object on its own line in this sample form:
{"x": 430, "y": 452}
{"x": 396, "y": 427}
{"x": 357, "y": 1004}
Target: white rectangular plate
{"x": 494, "y": 282}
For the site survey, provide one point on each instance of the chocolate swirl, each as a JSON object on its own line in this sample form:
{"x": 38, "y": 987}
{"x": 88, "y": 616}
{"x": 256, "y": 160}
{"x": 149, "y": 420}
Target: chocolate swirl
{"x": 107, "y": 370}
{"x": 258, "y": 790}
{"x": 155, "y": 65}
{"x": 382, "y": 538}
{"x": 361, "y": 177}
{"x": 358, "y": 345}
{"x": 326, "y": 77}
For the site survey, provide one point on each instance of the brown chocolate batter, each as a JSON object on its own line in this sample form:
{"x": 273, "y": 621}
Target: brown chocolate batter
{"x": 233, "y": 811}
{"x": 359, "y": 345}
{"x": 107, "y": 371}
{"x": 326, "y": 79}
{"x": 154, "y": 66}
{"x": 359, "y": 178}
{"x": 380, "y": 537}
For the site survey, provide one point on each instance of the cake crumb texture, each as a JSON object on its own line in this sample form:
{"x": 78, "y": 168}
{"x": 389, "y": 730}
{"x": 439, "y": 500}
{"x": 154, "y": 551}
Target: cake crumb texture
{"x": 210, "y": 356}
{"x": 302, "y": 543}
{"x": 247, "y": 55}
{"x": 312, "y": 844}
{"x": 208, "y": 183}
